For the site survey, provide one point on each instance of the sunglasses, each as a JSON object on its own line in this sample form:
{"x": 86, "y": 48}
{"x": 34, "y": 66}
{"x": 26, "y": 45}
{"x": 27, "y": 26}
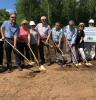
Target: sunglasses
{"x": 81, "y": 26}
{"x": 24, "y": 24}
{"x": 13, "y": 17}
{"x": 57, "y": 25}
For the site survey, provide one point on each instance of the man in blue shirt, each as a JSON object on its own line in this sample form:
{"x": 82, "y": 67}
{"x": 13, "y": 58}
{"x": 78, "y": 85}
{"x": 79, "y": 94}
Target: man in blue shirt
{"x": 70, "y": 33}
{"x": 57, "y": 38}
{"x": 9, "y": 31}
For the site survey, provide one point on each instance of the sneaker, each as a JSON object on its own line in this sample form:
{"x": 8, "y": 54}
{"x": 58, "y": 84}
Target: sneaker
{"x": 88, "y": 64}
{"x": 42, "y": 68}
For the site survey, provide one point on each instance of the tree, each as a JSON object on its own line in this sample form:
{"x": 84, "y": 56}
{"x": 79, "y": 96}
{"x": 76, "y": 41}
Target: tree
{"x": 4, "y": 15}
{"x": 56, "y": 10}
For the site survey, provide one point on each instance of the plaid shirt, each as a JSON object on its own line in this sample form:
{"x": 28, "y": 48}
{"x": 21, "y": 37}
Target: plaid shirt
{"x": 56, "y": 34}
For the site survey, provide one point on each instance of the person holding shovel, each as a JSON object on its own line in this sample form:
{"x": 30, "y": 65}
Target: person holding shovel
{"x": 58, "y": 40}
{"x": 23, "y": 43}
{"x": 34, "y": 39}
{"x": 80, "y": 43}
{"x": 9, "y": 32}
{"x": 70, "y": 33}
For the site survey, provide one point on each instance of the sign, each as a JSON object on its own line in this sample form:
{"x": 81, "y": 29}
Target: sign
{"x": 90, "y": 34}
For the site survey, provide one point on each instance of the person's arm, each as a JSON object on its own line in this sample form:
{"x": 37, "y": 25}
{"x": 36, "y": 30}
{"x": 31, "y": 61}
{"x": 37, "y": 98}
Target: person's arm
{"x": 49, "y": 35}
{"x": 15, "y": 40}
{"x": 74, "y": 38}
{"x": 82, "y": 37}
{"x": 59, "y": 44}
{"x": 15, "y": 36}
{"x": 38, "y": 39}
{"x": 60, "y": 38}
{"x": 28, "y": 39}
{"x": 48, "y": 38}
{"x": 2, "y": 31}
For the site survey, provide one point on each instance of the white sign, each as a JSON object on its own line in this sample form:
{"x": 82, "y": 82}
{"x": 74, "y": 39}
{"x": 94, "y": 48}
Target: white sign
{"x": 90, "y": 34}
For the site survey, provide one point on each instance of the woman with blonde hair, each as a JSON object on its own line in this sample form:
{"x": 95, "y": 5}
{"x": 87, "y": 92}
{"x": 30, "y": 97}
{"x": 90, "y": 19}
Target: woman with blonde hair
{"x": 23, "y": 42}
{"x": 80, "y": 42}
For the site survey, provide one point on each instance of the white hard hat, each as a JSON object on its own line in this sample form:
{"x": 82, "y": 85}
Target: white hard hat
{"x": 91, "y": 21}
{"x": 32, "y": 23}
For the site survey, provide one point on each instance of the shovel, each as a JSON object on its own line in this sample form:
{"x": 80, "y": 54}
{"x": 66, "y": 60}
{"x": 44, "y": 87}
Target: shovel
{"x": 28, "y": 61}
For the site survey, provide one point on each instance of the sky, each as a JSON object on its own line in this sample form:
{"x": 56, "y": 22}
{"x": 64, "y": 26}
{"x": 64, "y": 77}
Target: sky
{"x": 9, "y": 5}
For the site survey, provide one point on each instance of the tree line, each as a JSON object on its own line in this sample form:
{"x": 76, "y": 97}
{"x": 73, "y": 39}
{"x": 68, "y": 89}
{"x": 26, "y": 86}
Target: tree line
{"x": 55, "y": 10}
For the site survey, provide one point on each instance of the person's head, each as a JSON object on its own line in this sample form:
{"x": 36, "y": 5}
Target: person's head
{"x": 81, "y": 26}
{"x": 91, "y": 23}
{"x": 32, "y": 24}
{"x": 71, "y": 23}
{"x": 43, "y": 19}
{"x": 57, "y": 25}
{"x": 13, "y": 17}
{"x": 24, "y": 23}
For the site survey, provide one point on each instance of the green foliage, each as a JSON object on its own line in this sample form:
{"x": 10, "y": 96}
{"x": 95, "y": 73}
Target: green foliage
{"x": 56, "y": 10}
{"x": 3, "y": 15}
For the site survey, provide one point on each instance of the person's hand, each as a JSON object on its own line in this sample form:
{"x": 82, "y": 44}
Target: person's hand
{"x": 3, "y": 38}
{"x": 46, "y": 42}
{"x": 70, "y": 45}
{"x": 80, "y": 41}
{"x": 58, "y": 46}
{"x": 14, "y": 46}
{"x": 28, "y": 44}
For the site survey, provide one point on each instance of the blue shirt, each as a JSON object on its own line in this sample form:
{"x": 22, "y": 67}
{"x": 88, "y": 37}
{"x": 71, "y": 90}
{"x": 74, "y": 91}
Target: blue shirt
{"x": 70, "y": 34}
{"x": 9, "y": 29}
{"x": 56, "y": 34}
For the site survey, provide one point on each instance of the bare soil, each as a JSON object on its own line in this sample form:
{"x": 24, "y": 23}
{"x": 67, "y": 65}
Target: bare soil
{"x": 68, "y": 83}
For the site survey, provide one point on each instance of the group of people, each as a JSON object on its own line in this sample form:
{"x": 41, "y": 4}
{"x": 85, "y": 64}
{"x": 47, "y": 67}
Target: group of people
{"x": 29, "y": 35}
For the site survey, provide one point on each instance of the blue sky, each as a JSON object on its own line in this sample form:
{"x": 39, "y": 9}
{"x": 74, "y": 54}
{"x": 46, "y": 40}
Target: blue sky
{"x": 8, "y": 4}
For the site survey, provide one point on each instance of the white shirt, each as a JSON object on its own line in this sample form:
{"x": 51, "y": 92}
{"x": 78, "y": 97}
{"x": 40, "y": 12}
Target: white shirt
{"x": 43, "y": 30}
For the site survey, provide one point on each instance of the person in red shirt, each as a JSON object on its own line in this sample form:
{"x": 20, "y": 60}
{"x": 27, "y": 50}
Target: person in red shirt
{"x": 23, "y": 42}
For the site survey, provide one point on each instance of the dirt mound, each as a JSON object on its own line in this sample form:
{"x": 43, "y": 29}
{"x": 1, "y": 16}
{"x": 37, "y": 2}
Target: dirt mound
{"x": 69, "y": 83}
